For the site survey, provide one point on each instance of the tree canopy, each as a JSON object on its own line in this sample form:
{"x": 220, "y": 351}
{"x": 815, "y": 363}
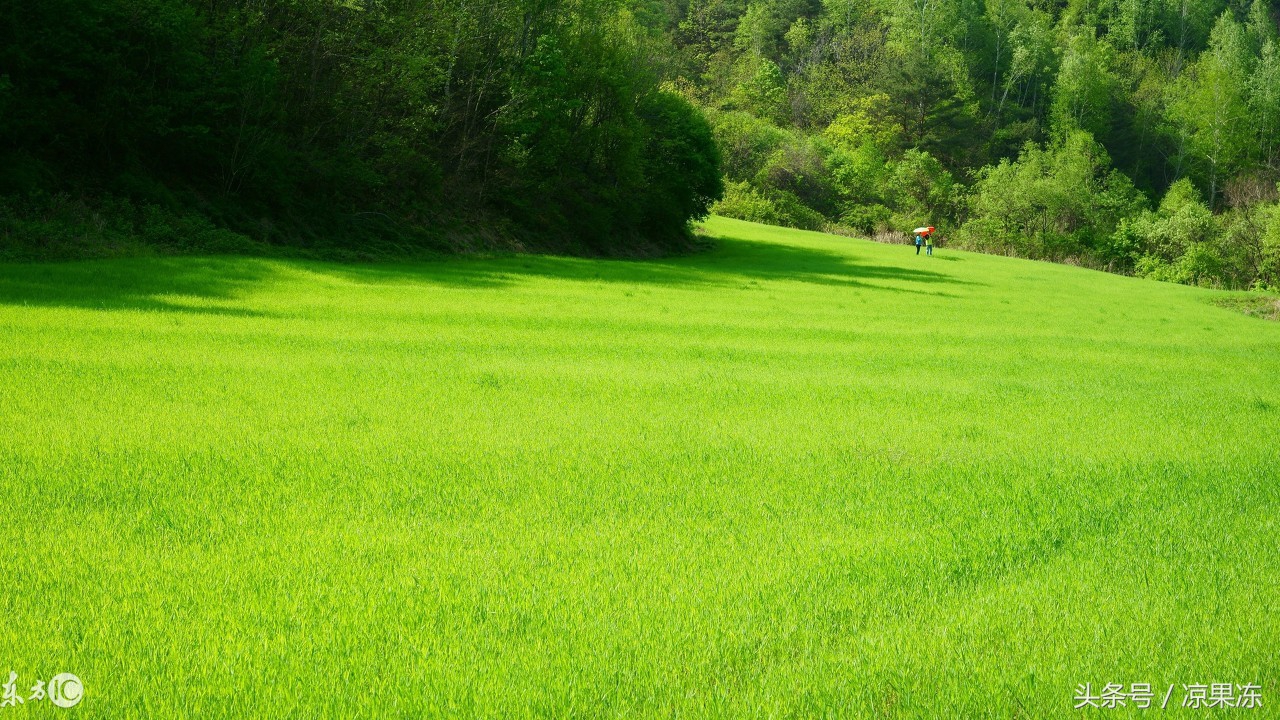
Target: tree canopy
{"x": 346, "y": 121}
{"x": 1048, "y": 128}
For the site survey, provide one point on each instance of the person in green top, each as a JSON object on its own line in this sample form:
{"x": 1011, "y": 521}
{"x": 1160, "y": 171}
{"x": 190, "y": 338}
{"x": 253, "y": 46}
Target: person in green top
{"x": 928, "y": 244}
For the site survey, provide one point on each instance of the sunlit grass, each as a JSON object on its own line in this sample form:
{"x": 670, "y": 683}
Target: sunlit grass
{"x": 797, "y": 475}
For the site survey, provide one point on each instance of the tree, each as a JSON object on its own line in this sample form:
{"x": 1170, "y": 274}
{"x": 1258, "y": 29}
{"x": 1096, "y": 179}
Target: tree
{"x": 1264, "y": 105}
{"x": 1209, "y": 105}
{"x": 921, "y": 190}
{"x": 1058, "y": 201}
{"x": 1086, "y": 85}
{"x": 1176, "y": 240}
{"x": 764, "y": 92}
{"x": 681, "y": 163}
{"x": 1186, "y": 24}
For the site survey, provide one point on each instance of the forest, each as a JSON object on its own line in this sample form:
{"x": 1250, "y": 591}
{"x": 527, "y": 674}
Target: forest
{"x": 1136, "y": 136}
{"x": 344, "y": 124}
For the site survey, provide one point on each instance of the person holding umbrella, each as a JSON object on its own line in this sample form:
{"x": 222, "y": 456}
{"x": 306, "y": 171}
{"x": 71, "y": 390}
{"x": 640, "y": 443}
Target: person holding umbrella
{"x": 924, "y": 236}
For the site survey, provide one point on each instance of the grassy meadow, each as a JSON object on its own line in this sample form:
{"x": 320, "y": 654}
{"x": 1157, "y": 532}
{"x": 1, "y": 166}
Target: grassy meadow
{"x": 796, "y": 475}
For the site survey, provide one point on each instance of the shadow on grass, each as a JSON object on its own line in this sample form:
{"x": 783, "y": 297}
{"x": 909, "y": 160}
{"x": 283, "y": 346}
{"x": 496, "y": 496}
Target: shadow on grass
{"x": 158, "y": 284}
{"x": 729, "y": 262}
{"x": 213, "y": 284}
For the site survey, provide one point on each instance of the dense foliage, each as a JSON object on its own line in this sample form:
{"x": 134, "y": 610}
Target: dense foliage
{"x": 1141, "y": 136}
{"x": 345, "y": 122}
{"x": 1044, "y": 128}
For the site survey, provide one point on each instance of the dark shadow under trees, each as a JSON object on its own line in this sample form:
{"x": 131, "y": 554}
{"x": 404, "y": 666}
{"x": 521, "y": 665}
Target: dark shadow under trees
{"x": 214, "y": 284}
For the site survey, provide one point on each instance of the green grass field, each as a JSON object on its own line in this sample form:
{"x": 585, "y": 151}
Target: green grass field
{"x": 794, "y": 476}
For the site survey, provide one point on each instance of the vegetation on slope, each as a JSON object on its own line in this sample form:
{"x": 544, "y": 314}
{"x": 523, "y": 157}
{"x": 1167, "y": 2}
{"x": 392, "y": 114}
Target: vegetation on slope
{"x": 1137, "y": 136}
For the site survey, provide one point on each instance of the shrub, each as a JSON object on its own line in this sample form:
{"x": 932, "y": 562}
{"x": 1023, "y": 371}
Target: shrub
{"x": 1053, "y": 202}
{"x": 746, "y": 142}
{"x": 797, "y": 168}
{"x": 920, "y": 190}
{"x": 796, "y": 214}
{"x": 866, "y": 218}
{"x": 744, "y": 202}
{"x": 681, "y": 163}
{"x": 63, "y": 226}
{"x": 1199, "y": 265}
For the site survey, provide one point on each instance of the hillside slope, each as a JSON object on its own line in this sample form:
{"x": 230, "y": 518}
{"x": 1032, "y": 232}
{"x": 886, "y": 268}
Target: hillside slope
{"x": 795, "y": 475}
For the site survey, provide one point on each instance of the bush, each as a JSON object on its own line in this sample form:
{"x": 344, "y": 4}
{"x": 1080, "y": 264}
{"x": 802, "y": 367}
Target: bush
{"x": 798, "y": 169}
{"x": 796, "y": 214}
{"x": 62, "y": 226}
{"x": 681, "y": 164}
{"x": 1179, "y": 241}
{"x": 1054, "y": 202}
{"x": 858, "y": 175}
{"x": 746, "y": 142}
{"x": 866, "y": 218}
{"x": 744, "y": 202}
{"x": 1199, "y": 265}
{"x": 921, "y": 191}
{"x": 764, "y": 91}
{"x": 1269, "y": 264}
